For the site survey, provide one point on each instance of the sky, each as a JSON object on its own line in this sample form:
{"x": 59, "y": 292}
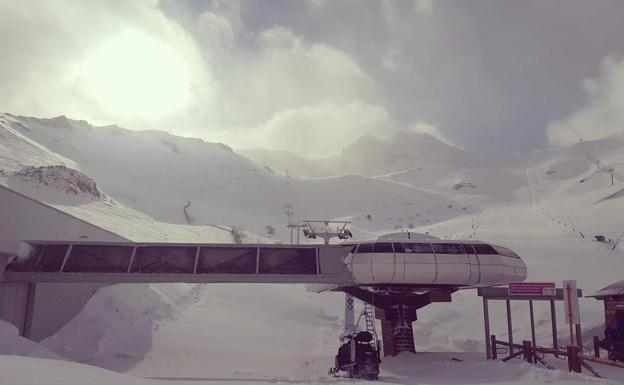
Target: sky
{"x": 311, "y": 76}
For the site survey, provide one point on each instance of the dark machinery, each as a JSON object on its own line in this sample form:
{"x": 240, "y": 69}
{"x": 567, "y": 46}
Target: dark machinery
{"x": 358, "y": 356}
{"x": 615, "y": 348}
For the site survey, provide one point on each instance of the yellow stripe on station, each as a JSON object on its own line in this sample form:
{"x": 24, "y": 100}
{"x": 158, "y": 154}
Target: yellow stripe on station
{"x": 435, "y": 257}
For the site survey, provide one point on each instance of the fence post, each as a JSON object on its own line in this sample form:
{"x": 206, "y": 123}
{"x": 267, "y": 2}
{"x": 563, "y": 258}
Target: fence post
{"x": 493, "y": 347}
{"x": 596, "y": 346}
{"x": 574, "y": 362}
{"x": 527, "y": 351}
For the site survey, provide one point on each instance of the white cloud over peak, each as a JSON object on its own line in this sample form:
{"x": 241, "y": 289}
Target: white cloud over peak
{"x": 603, "y": 114}
{"x": 317, "y": 131}
{"x": 237, "y": 69}
{"x": 290, "y": 73}
{"x": 426, "y": 128}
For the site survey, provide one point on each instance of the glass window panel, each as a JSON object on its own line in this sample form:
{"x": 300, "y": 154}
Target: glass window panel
{"x": 164, "y": 259}
{"x": 52, "y": 258}
{"x": 365, "y": 248}
{"x": 505, "y": 252}
{"x": 422, "y": 248}
{"x": 287, "y": 261}
{"x": 484, "y": 249}
{"x": 448, "y": 248}
{"x": 99, "y": 259}
{"x": 383, "y": 247}
{"x": 227, "y": 260}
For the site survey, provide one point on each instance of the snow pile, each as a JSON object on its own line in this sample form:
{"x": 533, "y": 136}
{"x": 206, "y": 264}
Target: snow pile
{"x": 115, "y": 327}
{"x": 11, "y": 343}
{"x": 191, "y": 330}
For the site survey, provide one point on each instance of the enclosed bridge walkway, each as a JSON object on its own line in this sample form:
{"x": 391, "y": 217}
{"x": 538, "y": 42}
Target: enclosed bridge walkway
{"x": 108, "y": 263}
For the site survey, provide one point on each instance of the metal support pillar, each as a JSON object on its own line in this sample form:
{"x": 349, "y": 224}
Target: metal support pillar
{"x": 509, "y": 327}
{"x": 486, "y": 322}
{"x": 553, "y": 320}
{"x": 30, "y": 308}
{"x": 349, "y": 317}
{"x": 532, "y": 322}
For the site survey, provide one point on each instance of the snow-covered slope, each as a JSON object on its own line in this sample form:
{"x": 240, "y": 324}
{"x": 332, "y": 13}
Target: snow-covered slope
{"x": 76, "y": 194}
{"x": 538, "y": 205}
{"x": 189, "y": 181}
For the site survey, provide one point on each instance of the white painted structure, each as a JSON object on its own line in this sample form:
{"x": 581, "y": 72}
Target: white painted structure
{"x": 24, "y": 218}
{"x": 418, "y": 259}
{"x": 38, "y": 310}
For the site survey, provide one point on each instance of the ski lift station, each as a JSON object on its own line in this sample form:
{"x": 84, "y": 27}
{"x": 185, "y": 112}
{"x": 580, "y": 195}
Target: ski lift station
{"x": 51, "y": 257}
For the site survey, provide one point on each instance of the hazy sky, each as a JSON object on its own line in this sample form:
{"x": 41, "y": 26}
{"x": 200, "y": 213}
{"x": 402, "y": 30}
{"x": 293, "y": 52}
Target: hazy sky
{"x": 311, "y": 76}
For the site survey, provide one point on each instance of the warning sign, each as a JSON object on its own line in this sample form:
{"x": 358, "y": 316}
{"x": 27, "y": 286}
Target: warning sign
{"x": 532, "y": 288}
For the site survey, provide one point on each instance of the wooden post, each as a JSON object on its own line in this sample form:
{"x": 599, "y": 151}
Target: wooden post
{"x": 569, "y": 317}
{"x": 596, "y": 347}
{"x": 493, "y": 345}
{"x": 579, "y": 335}
{"x": 574, "y": 362}
{"x": 527, "y": 353}
{"x": 486, "y": 322}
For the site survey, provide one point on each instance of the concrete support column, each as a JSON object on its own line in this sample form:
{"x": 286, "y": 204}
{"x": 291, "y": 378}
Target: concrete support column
{"x": 396, "y": 329}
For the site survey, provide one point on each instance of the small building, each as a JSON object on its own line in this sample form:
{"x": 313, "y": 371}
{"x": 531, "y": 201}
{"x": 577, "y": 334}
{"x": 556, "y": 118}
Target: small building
{"x": 613, "y": 297}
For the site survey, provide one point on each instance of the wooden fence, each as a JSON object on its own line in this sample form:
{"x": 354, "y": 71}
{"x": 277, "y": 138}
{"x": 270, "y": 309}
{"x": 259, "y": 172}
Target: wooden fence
{"x": 535, "y": 354}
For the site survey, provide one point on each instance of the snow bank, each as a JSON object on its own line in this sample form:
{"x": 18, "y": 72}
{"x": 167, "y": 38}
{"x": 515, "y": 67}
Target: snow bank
{"x": 424, "y": 369}
{"x": 11, "y": 343}
{"x": 114, "y": 330}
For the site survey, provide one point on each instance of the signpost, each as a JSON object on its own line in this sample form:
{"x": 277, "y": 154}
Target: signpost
{"x": 532, "y": 288}
{"x": 571, "y": 305}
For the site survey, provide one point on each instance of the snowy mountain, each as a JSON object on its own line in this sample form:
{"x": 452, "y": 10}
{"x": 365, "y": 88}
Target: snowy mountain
{"x": 546, "y": 206}
{"x": 189, "y": 181}
{"x": 372, "y": 156}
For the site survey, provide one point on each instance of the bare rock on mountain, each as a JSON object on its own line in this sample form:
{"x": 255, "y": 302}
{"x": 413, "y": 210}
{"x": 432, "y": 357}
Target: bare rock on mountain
{"x": 61, "y": 178}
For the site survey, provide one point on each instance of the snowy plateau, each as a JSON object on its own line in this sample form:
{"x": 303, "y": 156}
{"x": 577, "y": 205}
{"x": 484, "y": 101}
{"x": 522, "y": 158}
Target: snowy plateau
{"x": 153, "y": 186}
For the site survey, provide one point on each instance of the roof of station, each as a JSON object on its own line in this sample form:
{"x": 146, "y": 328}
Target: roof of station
{"x": 615, "y": 289}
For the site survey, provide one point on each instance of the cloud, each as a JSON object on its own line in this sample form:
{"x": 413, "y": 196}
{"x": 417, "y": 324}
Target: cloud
{"x": 603, "y": 114}
{"x": 220, "y": 69}
{"x": 426, "y": 128}
{"x": 205, "y": 75}
{"x": 112, "y": 62}
{"x": 289, "y": 73}
{"x": 318, "y": 131}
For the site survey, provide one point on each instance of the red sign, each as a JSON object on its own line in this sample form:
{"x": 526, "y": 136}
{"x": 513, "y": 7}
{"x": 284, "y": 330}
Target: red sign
{"x": 532, "y": 288}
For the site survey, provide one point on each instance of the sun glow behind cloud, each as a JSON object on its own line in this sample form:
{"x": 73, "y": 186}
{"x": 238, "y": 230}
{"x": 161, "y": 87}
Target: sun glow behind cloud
{"x": 136, "y": 75}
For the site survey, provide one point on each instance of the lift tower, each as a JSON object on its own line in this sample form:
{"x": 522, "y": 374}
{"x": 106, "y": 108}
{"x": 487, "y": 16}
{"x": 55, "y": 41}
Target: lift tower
{"x": 328, "y": 230}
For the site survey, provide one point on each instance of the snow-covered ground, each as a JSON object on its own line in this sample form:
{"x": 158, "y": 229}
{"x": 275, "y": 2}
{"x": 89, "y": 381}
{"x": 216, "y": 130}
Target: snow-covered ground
{"x": 545, "y": 206}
